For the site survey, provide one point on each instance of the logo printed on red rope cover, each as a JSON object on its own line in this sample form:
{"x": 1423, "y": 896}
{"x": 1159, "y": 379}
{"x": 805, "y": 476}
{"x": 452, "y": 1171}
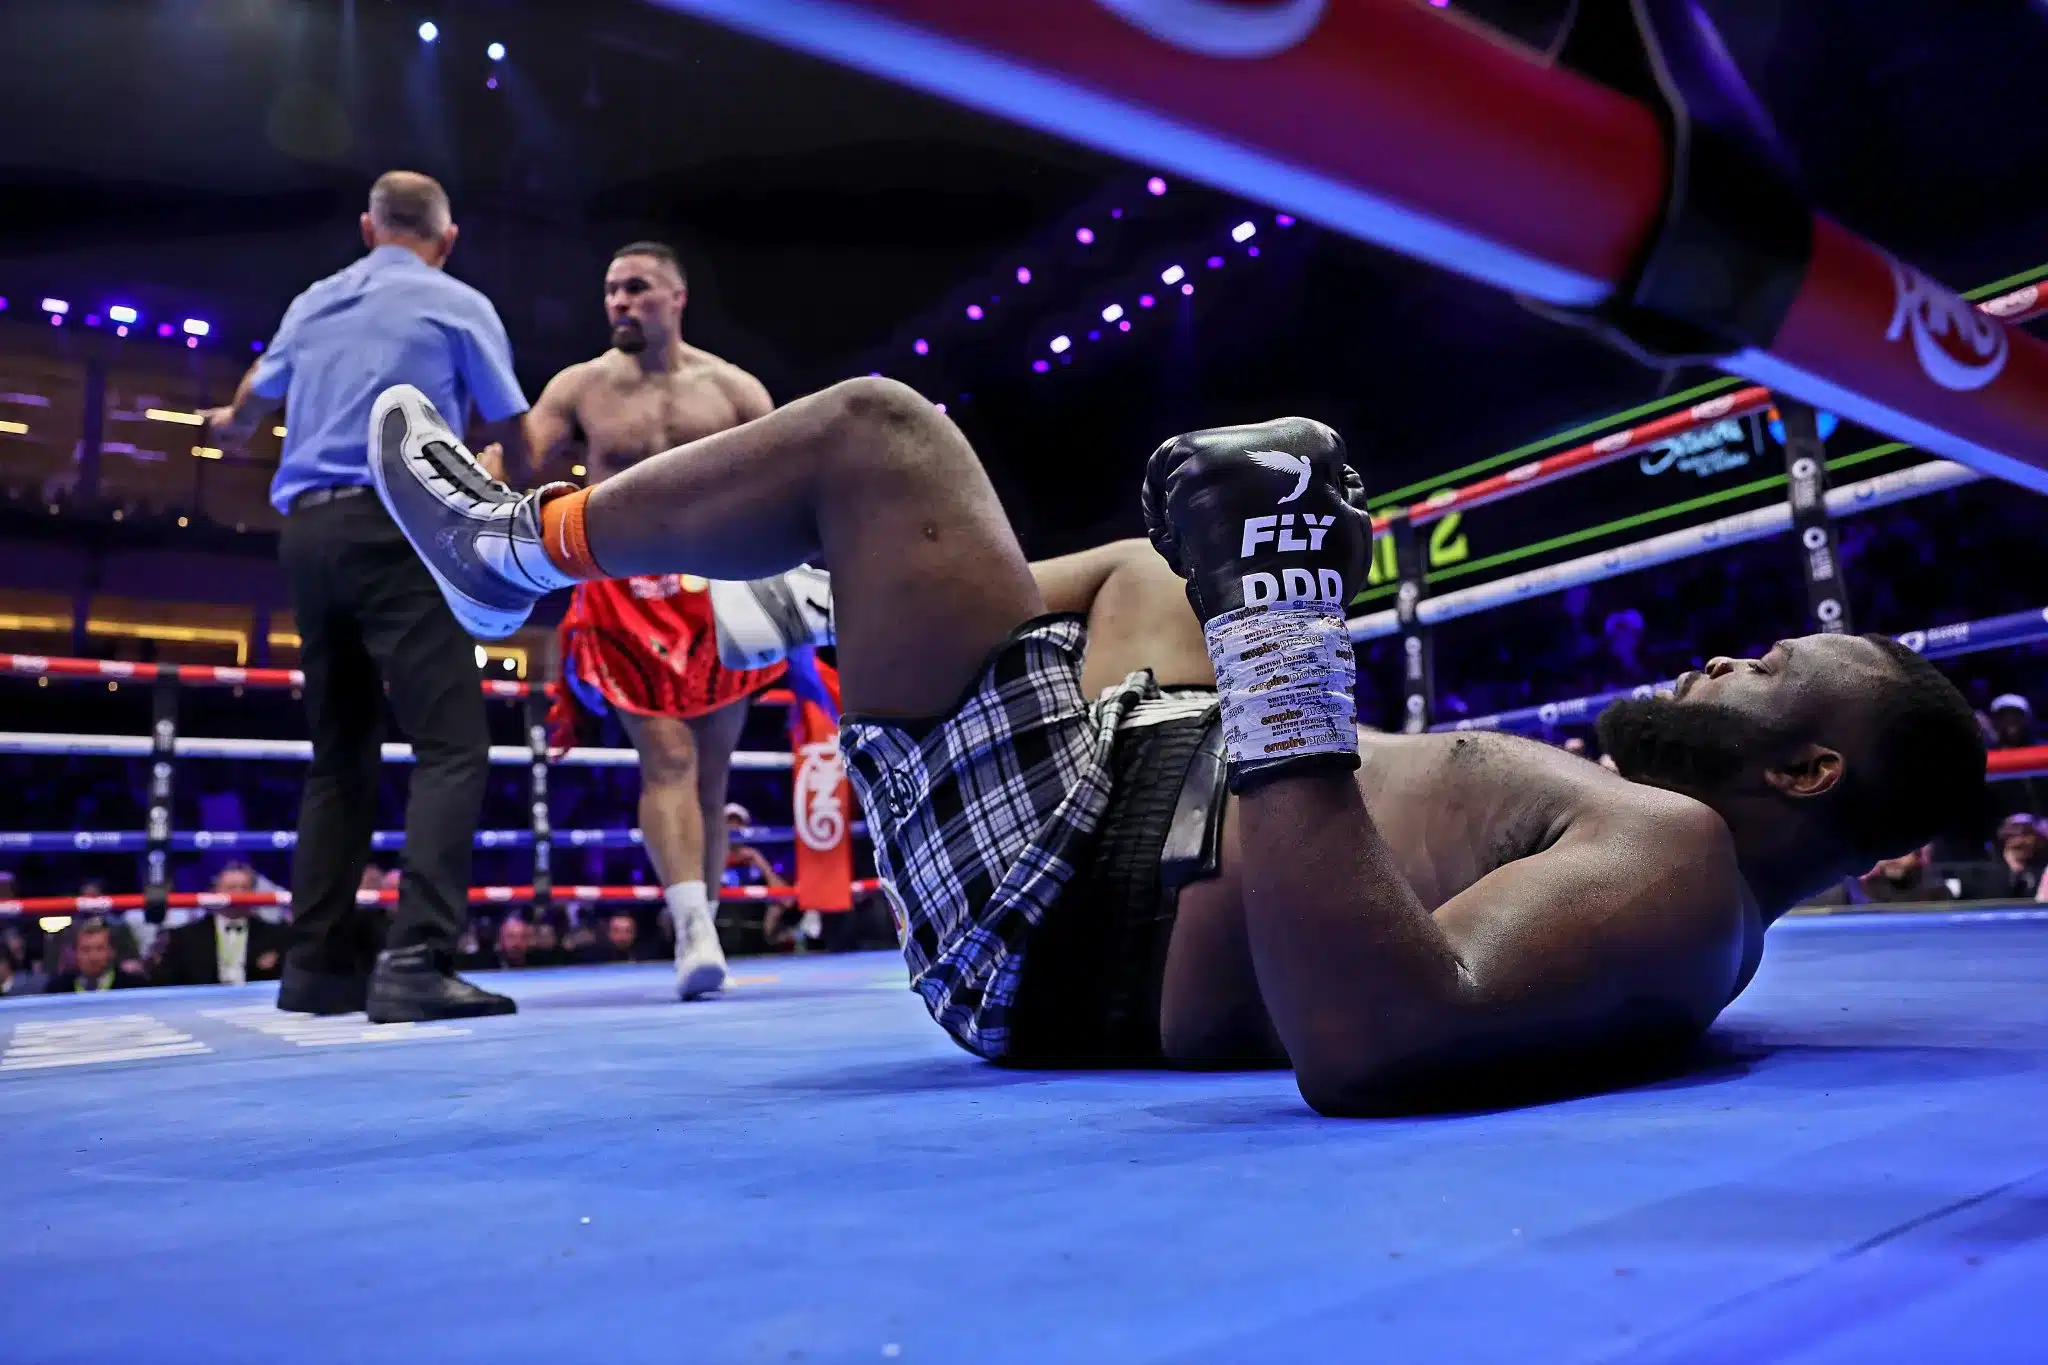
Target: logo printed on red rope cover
{"x": 1223, "y": 28}
{"x": 1934, "y": 314}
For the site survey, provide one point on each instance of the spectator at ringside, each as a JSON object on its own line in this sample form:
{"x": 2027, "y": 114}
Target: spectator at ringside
{"x": 92, "y": 947}
{"x": 15, "y": 978}
{"x": 518, "y": 946}
{"x": 230, "y": 946}
{"x": 2010, "y": 725}
{"x": 2012, "y": 721}
{"x": 745, "y": 865}
{"x": 515, "y": 943}
{"x": 129, "y": 945}
{"x": 2024, "y": 854}
{"x": 1624, "y": 632}
{"x": 1903, "y": 878}
{"x": 621, "y": 941}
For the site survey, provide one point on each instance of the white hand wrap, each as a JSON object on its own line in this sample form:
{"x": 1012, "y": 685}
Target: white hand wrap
{"x": 1284, "y": 676}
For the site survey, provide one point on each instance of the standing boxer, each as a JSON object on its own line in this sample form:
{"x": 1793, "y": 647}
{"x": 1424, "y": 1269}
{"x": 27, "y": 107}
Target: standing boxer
{"x": 646, "y": 646}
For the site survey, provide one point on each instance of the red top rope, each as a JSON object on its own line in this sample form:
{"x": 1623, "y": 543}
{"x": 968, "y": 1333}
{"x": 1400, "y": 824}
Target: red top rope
{"x": 215, "y": 675}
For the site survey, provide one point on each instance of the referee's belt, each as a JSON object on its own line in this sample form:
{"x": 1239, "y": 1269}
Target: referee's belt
{"x": 314, "y": 497}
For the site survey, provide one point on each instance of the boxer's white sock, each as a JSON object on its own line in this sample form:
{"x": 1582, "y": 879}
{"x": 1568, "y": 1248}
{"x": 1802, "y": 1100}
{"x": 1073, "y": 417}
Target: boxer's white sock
{"x": 685, "y": 901}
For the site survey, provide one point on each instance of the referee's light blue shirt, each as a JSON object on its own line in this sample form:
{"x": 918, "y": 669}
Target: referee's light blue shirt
{"x": 388, "y": 319}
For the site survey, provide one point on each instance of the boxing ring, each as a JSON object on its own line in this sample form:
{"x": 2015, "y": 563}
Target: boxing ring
{"x": 807, "y": 1169}
{"x": 1852, "y": 1171}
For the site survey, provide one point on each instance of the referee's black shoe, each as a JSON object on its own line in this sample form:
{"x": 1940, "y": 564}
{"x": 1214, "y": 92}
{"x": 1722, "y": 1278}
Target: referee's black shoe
{"x": 301, "y": 991}
{"x": 411, "y": 986}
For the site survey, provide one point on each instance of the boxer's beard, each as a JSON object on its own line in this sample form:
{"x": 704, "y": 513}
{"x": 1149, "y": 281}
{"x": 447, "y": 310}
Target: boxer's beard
{"x": 1682, "y": 745}
{"x": 628, "y": 336}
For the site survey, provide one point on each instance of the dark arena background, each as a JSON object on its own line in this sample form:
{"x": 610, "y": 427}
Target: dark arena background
{"x": 1076, "y": 229}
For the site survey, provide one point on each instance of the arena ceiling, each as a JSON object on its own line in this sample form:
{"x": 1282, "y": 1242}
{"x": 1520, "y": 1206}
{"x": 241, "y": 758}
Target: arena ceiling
{"x": 215, "y": 151}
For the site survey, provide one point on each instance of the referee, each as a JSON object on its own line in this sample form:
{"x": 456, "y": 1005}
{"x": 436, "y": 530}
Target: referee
{"x": 371, "y": 621}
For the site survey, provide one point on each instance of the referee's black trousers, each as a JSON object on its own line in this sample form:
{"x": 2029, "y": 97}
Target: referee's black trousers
{"x": 372, "y": 623}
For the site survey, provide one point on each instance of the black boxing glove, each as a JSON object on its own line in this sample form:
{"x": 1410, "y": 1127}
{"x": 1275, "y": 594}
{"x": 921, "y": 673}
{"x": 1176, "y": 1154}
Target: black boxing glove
{"x": 1268, "y": 526}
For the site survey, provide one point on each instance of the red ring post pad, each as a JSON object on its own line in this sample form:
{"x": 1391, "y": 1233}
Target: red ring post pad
{"x": 1424, "y": 132}
{"x": 478, "y": 895}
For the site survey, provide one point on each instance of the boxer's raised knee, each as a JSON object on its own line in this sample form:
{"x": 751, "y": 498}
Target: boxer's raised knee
{"x": 886, "y": 426}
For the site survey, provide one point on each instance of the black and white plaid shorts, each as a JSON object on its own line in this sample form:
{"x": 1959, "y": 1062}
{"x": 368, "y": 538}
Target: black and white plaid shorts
{"x": 980, "y": 817}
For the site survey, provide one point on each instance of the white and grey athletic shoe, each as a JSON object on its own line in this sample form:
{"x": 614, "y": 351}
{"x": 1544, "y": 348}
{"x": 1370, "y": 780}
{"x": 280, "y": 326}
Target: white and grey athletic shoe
{"x": 761, "y": 621}
{"x": 700, "y": 958}
{"x": 480, "y": 540}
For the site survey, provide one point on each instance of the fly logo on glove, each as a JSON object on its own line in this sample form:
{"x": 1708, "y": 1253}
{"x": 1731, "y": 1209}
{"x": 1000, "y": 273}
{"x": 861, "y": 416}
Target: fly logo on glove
{"x": 1280, "y": 530}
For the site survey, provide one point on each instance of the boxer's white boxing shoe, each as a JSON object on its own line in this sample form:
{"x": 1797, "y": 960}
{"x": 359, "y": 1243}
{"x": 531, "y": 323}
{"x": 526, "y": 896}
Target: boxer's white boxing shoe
{"x": 700, "y": 960}
{"x": 760, "y": 622}
{"x": 479, "y": 539}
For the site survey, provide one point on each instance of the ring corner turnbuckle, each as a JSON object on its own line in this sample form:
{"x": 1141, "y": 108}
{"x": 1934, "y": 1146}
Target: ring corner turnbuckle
{"x": 1735, "y": 237}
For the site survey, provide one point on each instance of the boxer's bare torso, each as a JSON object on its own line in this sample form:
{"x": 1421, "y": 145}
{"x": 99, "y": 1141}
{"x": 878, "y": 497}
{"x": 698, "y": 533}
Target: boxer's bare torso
{"x": 614, "y": 411}
{"x": 1649, "y": 883}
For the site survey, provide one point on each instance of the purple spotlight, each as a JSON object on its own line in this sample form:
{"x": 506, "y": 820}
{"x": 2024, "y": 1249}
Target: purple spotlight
{"x": 164, "y": 329}
{"x": 1283, "y": 220}
{"x": 1251, "y": 251}
{"x": 921, "y": 346}
{"x": 1187, "y": 289}
{"x": 491, "y": 83}
{"x": 974, "y": 313}
{"x": 56, "y": 319}
{"x": 1215, "y": 262}
{"x": 1085, "y": 236}
{"x": 257, "y": 347}
{"x": 191, "y": 343}
{"x": 122, "y": 330}
{"x": 1116, "y": 213}
{"x": 1095, "y": 334}
{"x": 1124, "y": 326}
{"x": 92, "y": 319}
{"x": 1155, "y": 186}
{"x": 1023, "y": 274}
{"x": 1146, "y": 300}
{"x": 1040, "y": 366}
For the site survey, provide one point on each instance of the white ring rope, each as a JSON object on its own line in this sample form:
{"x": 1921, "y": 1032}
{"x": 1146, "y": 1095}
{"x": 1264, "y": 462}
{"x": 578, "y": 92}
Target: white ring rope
{"x": 1936, "y": 476}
